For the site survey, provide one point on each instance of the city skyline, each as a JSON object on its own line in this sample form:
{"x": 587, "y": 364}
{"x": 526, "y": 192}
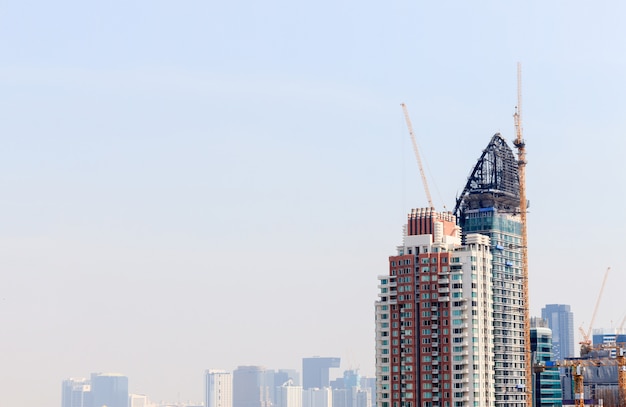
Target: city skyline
{"x": 214, "y": 184}
{"x": 245, "y": 386}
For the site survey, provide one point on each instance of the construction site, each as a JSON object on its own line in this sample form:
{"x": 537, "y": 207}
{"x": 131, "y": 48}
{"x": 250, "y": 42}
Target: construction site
{"x": 598, "y": 376}
{"x": 525, "y": 371}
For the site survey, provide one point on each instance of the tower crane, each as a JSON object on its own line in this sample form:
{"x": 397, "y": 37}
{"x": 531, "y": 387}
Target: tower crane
{"x": 621, "y": 376}
{"x": 585, "y": 344}
{"x": 579, "y": 386}
{"x": 577, "y": 369}
{"x": 417, "y": 155}
{"x": 520, "y": 144}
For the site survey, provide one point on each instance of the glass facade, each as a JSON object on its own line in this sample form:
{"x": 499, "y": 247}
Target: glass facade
{"x": 561, "y": 321}
{"x": 547, "y": 384}
{"x": 504, "y": 229}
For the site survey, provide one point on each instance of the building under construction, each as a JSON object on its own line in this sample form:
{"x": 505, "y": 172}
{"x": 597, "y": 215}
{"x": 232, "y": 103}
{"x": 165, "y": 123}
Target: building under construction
{"x": 490, "y": 205}
{"x": 450, "y": 319}
{"x": 600, "y": 378}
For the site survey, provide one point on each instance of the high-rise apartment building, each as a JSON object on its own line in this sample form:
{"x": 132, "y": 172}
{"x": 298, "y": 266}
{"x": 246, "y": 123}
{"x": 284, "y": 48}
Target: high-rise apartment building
{"x": 434, "y": 337}
{"x": 218, "y": 388}
{"x": 288, "y": 395}
{"x": 560, "y": 320}
{"x": 317, "y": 397}
{"x": 490, "y": 205}
{"x": 315, "y": 371}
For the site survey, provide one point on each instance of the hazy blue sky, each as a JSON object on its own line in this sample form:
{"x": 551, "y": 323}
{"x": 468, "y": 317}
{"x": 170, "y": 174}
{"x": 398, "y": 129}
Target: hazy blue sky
{"x": 199, "y": 184}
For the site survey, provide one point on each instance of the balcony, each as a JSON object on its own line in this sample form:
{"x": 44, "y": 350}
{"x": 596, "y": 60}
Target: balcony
{"x": 443, "y": 299}
{"x": 443, "y": 290}
{"x": 443, "y": 281}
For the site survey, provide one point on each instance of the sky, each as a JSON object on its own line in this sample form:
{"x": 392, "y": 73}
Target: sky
{"x": 188, "y": 185}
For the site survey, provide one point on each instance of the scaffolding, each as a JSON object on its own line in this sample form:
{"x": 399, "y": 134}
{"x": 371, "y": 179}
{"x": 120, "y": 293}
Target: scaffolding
{"x": 494, "y": 181}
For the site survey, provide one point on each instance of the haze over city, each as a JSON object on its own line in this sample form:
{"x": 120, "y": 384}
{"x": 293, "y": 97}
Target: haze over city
{"x": 194, "y": 185}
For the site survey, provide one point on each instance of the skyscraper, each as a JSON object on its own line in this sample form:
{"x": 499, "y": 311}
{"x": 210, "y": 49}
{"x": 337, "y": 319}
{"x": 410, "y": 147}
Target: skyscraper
{"x": 218, "y": 388}
{"x": 489, "y": 205}
{"x": 76, "y": 393}
{"x": 434, "y": 338}
{"x": 109, "y": 389}
{"x": 561, "y": 321}
{"x": 250, "y": 388}
{"x": 315, "y": 371}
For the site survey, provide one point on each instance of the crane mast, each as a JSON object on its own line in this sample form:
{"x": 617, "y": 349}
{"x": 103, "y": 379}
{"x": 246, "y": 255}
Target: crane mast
{"x": 579, "y": 388}
{"x": 417, "y": 155}
{"x": 621, "y": 376}
{"x": 520, "y": 144}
